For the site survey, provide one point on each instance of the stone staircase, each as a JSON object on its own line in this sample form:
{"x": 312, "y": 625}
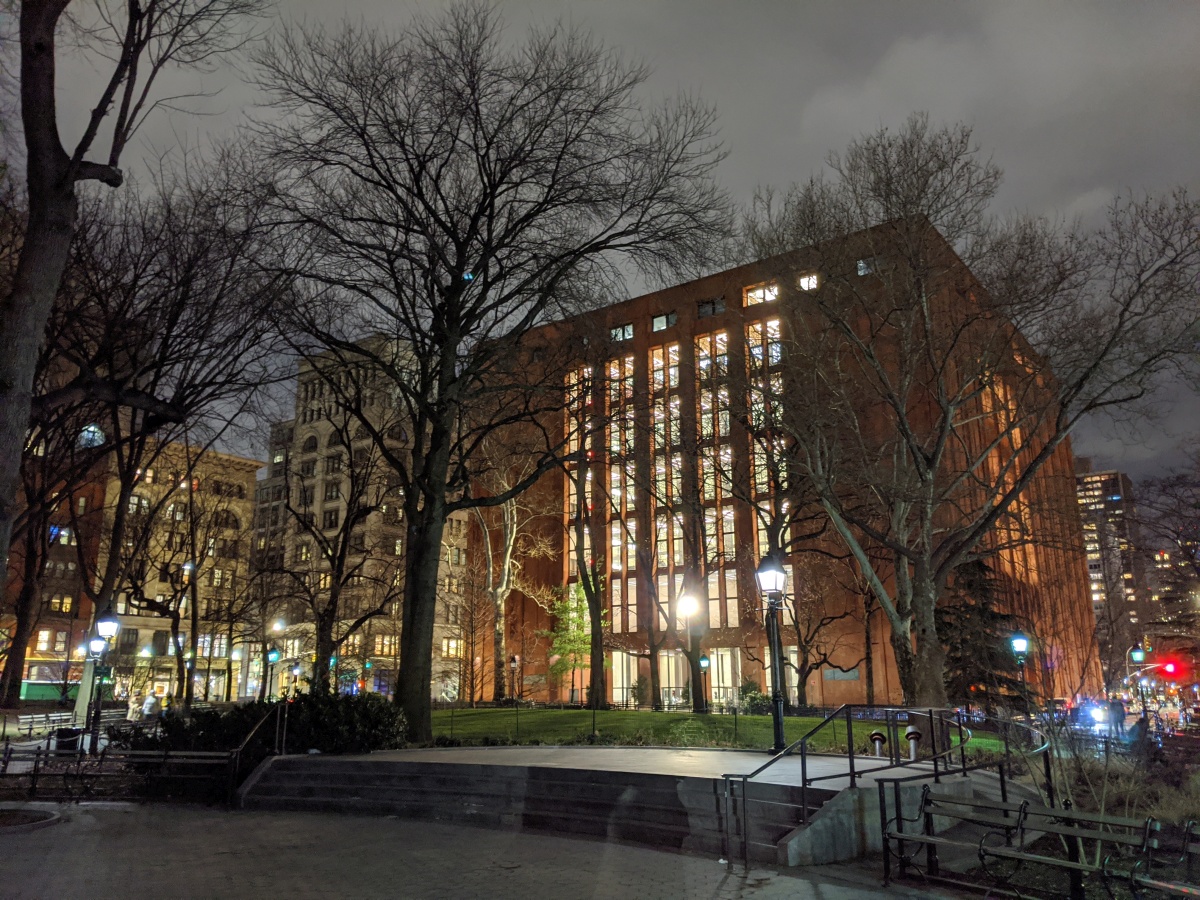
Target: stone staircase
{"x": 663, "y": 811}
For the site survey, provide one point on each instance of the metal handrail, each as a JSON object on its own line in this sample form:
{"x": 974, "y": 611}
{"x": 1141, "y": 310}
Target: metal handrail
{"x": 891, "y": 720}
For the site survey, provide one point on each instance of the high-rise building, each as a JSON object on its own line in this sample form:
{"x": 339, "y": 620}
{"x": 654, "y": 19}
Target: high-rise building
{"x": 329, "y": 529}
{"x": 1122, "y": 601}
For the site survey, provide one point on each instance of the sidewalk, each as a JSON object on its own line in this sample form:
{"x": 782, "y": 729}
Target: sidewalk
{"x": 132, "y": 852}
{"x": 696, "y": 762}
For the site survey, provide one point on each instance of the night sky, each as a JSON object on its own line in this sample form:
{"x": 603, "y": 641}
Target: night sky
{"x": 1076, "y": 102}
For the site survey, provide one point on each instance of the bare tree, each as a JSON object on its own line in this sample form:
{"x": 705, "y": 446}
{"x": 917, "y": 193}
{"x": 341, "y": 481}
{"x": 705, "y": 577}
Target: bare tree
{"x": 133, "y": 42}
{"x": 449, "y": 194}
{"x": 936, "y": 366}
{"x": 509, "y": 536}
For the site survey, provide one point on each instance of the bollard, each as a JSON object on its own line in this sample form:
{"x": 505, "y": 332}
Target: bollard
{"x": 878, "y": 738}
{"x": 914, "y": 739}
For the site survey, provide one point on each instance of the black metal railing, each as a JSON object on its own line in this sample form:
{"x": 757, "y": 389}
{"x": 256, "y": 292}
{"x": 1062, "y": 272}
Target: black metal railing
{"x": 934, "y": 746}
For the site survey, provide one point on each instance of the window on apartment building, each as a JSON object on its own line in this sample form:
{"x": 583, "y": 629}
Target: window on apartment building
{"x": 622, "y": 332}
{"x": 81, "y": 506}
{"x": 385, "y": 644}
{"x": 277, "y": 457}
{"x": 324, "y": 581}
{"x": 160, "y": 642}
{"x": 60, "y": 641}
{"x": 333, "y": 465}
{"x": 398, "y": 547}
{"x": 309, "y": 445}
{"x": 61, "y": 603}
{"x": 330, "y": 518}
{"x": 127, "y": 641}
{"x": 333, "y": 491}
{"x": 761, "y": 293}
{"x": 713, "y": 307}
{"x": 866, "y": 265}
{"x": 44, "y": 637}
{"x": 451, "y": 648}
{"x": 308, "y": 468}
{"x": 662, "y": 323}
{"x": 809, "y": 281}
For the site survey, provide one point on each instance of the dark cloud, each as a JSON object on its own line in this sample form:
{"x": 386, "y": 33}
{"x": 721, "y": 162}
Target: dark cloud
{"x": 1075, "y": 101}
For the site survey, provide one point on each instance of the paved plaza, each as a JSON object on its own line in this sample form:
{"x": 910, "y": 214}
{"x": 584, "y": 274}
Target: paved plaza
{"x": 131, "y": 851}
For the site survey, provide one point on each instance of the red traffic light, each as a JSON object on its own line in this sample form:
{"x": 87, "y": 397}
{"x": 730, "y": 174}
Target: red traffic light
{"x": 1170, "y": 668}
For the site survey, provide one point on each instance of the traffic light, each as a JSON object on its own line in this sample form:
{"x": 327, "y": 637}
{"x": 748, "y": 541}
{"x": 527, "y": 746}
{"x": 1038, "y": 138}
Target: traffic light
{"x": 368, "y": 664}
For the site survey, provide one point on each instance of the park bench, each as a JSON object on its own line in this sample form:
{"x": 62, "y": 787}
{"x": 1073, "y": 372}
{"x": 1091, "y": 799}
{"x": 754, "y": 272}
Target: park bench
{"x": 1096, "y": 844}
{"x": 1188, "y": 859}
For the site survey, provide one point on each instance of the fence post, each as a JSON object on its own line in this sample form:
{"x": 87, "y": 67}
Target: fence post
{"x": 1046, "y": 767}
{"x": 850, "y": 744}
{"x": 962, "y": 747}
{"x": 887, "y": 843}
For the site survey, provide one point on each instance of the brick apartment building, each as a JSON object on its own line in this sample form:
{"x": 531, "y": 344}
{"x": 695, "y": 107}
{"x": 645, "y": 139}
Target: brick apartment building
{"x": 675, "y": 496}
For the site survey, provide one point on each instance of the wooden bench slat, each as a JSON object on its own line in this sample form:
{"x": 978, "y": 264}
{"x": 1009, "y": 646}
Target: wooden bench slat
{"x": 1104, "y": 837}
{"x": 977, "y": 804}
{"x": 1017, "y": 853}
{"x": 1090, "y": 818}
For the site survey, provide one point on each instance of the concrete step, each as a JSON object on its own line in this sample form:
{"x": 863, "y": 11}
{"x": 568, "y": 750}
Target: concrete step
{"x": 676, "y": 812}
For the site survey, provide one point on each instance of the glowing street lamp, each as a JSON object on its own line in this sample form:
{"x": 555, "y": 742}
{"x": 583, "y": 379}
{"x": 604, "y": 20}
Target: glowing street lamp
{"x": 772, "y": 582}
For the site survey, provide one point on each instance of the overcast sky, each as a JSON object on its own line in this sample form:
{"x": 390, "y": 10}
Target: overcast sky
{"x": 1076, "y": 102}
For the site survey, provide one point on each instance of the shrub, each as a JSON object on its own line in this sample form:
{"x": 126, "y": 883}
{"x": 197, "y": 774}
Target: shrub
{"x": 754, "y": 702}
{"x": 330, "y": 723}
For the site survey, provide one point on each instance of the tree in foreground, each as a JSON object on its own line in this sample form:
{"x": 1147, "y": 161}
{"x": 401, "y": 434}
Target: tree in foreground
{"x": 448, "y": 194}
{"x": 132, "y": 43}
{"x": 938, "y": 362}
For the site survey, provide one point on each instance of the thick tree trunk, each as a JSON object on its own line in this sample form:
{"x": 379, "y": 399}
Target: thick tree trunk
{"x": 696, "y": 682}
{"x": 929, "y": 659}
{"x": 802, "y": 673}
{"x": 420, "y": 608}
{"x": 28, "y": 602}
{"x": 902, "y": 649}
{"x": 323, "y": 657}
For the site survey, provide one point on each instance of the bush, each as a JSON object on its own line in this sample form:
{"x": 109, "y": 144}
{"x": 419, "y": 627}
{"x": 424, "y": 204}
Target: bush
{"x": 330, "y": 723}
{"x": 754, "y": 702}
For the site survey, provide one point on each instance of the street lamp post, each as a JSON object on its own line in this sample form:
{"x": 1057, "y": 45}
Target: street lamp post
{"x": 107, "y": 626}
{"x": 704, "y": 678}
{"x": 272, "y": 658}
{"x": 1020, "y": 648}
{"x": 772, "y": 581}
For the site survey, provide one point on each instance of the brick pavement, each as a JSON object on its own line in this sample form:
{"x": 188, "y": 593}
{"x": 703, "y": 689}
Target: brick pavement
{"x": 129, "y": 852}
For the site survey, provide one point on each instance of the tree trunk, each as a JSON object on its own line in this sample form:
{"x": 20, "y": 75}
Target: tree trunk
{"x": 929, "y": 660}
{"x": 696, "y": 681}
{"x": 902, "y": 649}
{"x": 420, "y": 607}
{"x": 598, "y": 687}
{"x": 869, "y": 651}
{"x": 802, "y": 674}
{"x": 323, "y": 658}
{"x": 499, "y": 649}
{"x": 26, "y": 618}
{"x": 655, "y": 682}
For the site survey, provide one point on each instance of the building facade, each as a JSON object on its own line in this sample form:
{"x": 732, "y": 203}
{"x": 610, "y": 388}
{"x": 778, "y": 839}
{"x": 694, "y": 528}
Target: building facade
{"x": 185, "y": 561}
{"x": 329, "y": 534}
{"x": 675, "y": 497}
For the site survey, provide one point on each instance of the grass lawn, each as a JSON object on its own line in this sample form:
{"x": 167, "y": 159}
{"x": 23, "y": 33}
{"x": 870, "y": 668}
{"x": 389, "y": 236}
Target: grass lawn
{"x": 622, "y": 726}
